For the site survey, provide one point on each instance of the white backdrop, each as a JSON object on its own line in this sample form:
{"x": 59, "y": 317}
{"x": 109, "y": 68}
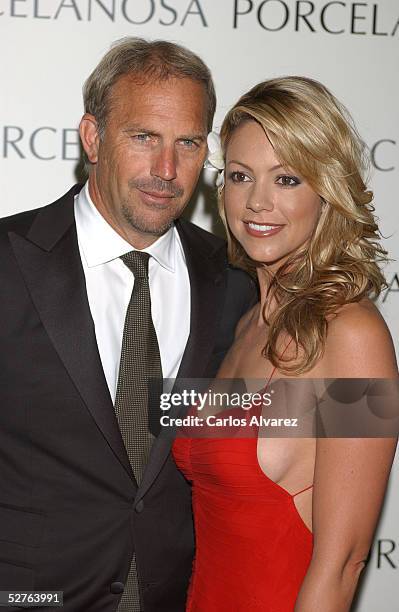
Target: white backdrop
{"x": 48, "y": 48}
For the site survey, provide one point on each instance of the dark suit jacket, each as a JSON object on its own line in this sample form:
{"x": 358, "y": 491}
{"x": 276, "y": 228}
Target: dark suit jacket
{"x": 70, "y": 510}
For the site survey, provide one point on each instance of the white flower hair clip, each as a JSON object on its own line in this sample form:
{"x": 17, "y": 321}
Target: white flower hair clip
{"x": 215, "y": 159}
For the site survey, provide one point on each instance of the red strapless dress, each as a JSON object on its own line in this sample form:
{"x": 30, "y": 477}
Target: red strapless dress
{"x": 252, "y": 547}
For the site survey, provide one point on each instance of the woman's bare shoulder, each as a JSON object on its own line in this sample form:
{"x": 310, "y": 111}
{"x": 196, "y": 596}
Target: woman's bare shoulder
{"x": 245, "y": 320}
{"x": 359, "y": 344}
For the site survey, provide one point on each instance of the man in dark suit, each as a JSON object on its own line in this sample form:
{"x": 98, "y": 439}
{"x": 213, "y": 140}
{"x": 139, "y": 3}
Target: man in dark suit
{"x": 88, "y": 506}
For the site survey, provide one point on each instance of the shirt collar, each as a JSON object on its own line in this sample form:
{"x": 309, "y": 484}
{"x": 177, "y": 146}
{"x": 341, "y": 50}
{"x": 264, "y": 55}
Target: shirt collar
{"x": 100, "y": 243}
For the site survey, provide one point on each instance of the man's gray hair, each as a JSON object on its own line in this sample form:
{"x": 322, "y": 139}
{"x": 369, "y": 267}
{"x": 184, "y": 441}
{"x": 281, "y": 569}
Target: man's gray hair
{"x": 154, "y": 60}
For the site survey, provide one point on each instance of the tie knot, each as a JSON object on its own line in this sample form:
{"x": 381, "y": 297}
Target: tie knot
{"x": 137, "y": 262}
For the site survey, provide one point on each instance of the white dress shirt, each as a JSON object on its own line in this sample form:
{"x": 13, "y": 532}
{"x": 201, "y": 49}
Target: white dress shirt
{"x": 109, "y": 285}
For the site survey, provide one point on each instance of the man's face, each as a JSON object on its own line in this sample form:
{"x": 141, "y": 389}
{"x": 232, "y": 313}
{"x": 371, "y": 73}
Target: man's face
{"x": 148, "y": 161}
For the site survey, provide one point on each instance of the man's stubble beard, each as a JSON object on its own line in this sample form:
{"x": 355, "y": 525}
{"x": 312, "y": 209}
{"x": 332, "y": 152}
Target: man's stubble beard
{"x": 131, "y": 212}
{"x": 138, "y": 224}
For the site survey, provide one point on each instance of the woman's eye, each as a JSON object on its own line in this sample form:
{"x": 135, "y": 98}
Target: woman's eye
{"x": 239, "y": 177}
{"x": 288, "y": 181}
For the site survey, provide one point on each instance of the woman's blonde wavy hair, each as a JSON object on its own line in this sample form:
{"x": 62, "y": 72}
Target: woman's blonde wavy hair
{"x": 313, "y": 134}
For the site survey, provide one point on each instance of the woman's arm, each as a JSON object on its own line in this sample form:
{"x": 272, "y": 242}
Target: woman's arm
{"x": 350, "y": 474}
{"x": 350, "y": 481}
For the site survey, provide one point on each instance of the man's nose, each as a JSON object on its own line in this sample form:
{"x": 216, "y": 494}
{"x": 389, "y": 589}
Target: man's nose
{"x": 164, "y": 164}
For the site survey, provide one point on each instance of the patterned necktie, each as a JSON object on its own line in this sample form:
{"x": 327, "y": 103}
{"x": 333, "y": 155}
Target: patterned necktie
{"x": 135, "y": 408}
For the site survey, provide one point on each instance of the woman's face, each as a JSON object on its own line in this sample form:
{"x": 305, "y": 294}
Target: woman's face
{"x": 270, "y": 210}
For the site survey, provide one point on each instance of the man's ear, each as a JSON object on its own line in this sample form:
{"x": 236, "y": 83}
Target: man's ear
{"x": 88, "y": 130}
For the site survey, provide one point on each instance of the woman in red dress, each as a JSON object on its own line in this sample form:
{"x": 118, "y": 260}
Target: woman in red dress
{"x": 285, "y": 524}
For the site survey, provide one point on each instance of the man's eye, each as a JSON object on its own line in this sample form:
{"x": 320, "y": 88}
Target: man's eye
{"x": 142, "y": 137}
{"x": 189, "y": 144}
{"x": 288, "y": 181}
{"x": 239, "y": 177}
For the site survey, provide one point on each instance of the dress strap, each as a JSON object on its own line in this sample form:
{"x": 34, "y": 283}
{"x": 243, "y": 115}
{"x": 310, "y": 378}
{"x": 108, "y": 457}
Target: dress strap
{"x": 303, "y": 490}
{"x": 275, "y": 367}
{"x": 270, "y": 377}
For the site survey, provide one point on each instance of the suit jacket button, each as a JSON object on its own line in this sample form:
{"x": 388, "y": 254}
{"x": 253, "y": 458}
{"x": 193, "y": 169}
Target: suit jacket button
{"x": 139, "y": 506}
{"x": 117, "y": 587}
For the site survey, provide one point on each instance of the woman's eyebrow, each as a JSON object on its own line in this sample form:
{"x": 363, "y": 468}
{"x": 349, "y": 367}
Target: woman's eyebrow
{"x": 272, "y": 169}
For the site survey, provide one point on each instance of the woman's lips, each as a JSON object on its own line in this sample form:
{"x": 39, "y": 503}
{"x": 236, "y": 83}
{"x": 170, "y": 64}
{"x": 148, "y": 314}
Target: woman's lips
{"x": 262, "y": 230}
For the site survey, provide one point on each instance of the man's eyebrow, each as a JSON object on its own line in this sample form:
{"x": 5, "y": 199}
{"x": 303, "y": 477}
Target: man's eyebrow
{"x": 145, "y": 130}
{"x": 141, "y": 130}
{"x": 200, "y": 137}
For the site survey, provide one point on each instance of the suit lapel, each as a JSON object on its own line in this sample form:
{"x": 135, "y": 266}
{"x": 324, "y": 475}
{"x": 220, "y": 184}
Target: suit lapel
{"x": 206, "y": 267}
{"x": 49, "y": 260}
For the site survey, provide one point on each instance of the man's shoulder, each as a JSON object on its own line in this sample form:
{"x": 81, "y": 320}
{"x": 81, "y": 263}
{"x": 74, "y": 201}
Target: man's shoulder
{"x": 191, "y": 229}
{"x": 21, "y": 222}
{"x": 239, "y": 282}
